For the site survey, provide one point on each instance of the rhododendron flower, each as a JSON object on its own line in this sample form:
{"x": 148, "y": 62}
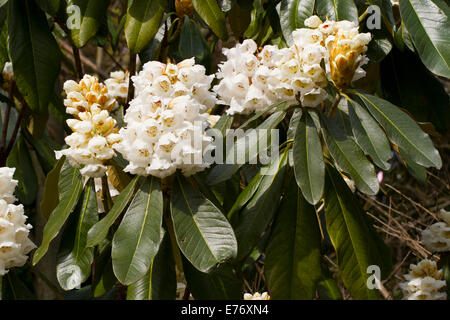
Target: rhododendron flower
{"x": 257, "y": 296}
{"x": 14, "y": 241}
{"x": 117, "y": 85}
{"x": 436, "y": 238}
{"x": 424, "y": 282}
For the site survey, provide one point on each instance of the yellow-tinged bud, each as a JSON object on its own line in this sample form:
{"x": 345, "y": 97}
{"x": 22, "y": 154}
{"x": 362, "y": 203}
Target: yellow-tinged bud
{"x": 184, "y": 7}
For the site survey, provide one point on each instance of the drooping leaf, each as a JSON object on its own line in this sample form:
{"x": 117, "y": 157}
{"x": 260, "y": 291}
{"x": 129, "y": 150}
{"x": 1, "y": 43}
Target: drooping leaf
{"x": 308, "y": 160}
{"x": 246, "y": 146}
{"x": 160, "y": 282}
{"x": 403, "y": 131}
{"x": 202, "y": 232}
{"x": 259, "y": 211}
{"x": 100, "y": 230}
{"x": 34, "y": 53}
{"x": 337, "y": 10}
{"x": 143, "y": 21}
{"x": 293, "y": 123}
{"x": 74, "y": 259}
{"x": 349, "y": 157}
{"x": 104, "y": 278}
{"x": 429, "y": 27}
{"x": 138, "y": 237}
{"x": 210, "y": 12}
{"x": 70, "y": 187}
{"x": 192, "y": 43}
{"x": 90, "y": 14}
{"x": 239, "y": 19}
{"x": 221, "y": 284}
{"x": 370, "y": 137}
{"x": 293, "y": 13}
{"x": 356, "y": 243}
{"x": 292, "y": 264}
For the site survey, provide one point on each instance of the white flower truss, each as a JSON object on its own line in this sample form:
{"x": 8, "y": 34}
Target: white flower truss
{"x": 257, "y": 296}
{"x": 91, "y": 145}
{"x": 424, "y": 282}
{"x": 253, "y": 79}
{"x": 14, "y": 241}
{"x": 166, "y": 121}
{"x": 436, "y": 238}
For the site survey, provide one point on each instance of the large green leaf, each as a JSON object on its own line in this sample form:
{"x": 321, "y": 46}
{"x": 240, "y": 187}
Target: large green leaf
{"x": 292, "y": 264}
{"x": 34, "y": 53}
{"x": 192, "y": 43}
{"x": 20, "y": 159}
{"x": 100, "y": 230}
{"x": 337, "y": 10}
{"x": 74, "y": 260}
{"x": 221, "y": 284}
{"x": 70, "y": 187}
{"x": 143, "y": 21}
{"x": 403, "y": 131}
{"x": 349, "y": 157}
{"x": 4, "y": 56}
{"x": 247, "y": 143}
{"x": 429, "y": 27}
{"x": 258, "y": 213}
{"x": 293, "y": 13}
{"x": 160, "y": 282}
{"x": 93, "y": 13}
{"x": 210, "y": 12}
{"x": 308, "y": 160}
{"x": 368, "y": 134}
{"x": 51, "y": 193}
{"x": 246, "y": 194}
{"x": 354, "y": 239}
{"x": 203, "y": 233}
{"x": 138, "y": 237}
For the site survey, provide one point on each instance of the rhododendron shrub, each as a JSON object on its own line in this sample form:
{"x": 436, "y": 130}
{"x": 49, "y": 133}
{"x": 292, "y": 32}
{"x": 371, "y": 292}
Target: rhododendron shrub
{"x": 190, "y": 149}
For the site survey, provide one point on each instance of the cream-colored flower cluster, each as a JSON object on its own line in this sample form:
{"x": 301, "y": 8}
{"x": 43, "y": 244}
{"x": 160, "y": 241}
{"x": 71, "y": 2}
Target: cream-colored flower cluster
{"x": 257, "y": 296}
{"x": 436, "y": 238}
{"x": 166, "y": 121}
{"x": 117, "y": 86}
{"x": 14, "y": 241}
{"x": 253, "y": 79}
{"x": 91, "y": 145}
{"x": 424, "y": 282}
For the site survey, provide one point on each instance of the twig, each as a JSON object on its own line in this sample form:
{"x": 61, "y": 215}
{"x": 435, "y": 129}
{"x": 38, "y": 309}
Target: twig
{"x": 78, "y": 65}
{"x": 186, "y": 294}
{"x": 130, "y": 82}
{"x": 335, "y": 104}
{"x": 106, "y": 196}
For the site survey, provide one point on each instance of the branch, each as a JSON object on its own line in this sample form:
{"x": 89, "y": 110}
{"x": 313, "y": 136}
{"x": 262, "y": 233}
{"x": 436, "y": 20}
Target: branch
{"x": 132, "y": 68}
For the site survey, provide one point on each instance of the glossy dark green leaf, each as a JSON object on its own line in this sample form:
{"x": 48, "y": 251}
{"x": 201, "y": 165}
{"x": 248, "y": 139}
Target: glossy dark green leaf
{"x": 349, "y": 157}
{"x": 356, "y": 243}
{"x": 210, "y": 12}
{"x": 74, "y": 260}
{"x": 246, "y": 194}
{"x": 20, "y": 159}
{"x": 428, "y": 24}
{"x": 293, "y": 123}
{"x": 160, "y": 282}
{"x": 309, "y": 167}
{"x": 92, "y": 14}
{"x": 70, "y": 187}
{"x": 248, "y": 142}
{"x": 138, "y": 237}
{"x": 370, "y": 137}
{"x": 143, "y": 21}
{"x": 192, "y": 43}
{"x": 4, "y": 56}
{"x": 239, "y": 19}
{"x": 153, "y": 48}
{"x": 328, "y": 290}
{"x": 203, "y": 233}
{"x": 34, "y": 53}
{"x": 51, "y": 193}
{"x": 292, "y": 264}
{"x": 403, "y": 131}
{"x": 221, "y": 284}
{"x": 337, "y": 10}
{"x": 100, "y": 230}
{"x": 417, "y": 171}
{"x": 259, "y": 211}
{"x": 103, "y": 278}
{"x": 293, "y": 13}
